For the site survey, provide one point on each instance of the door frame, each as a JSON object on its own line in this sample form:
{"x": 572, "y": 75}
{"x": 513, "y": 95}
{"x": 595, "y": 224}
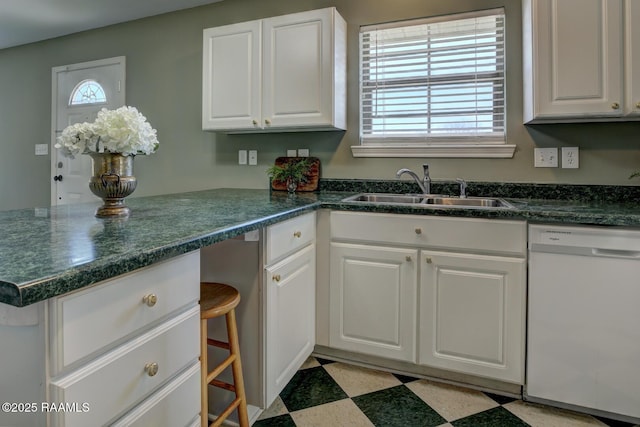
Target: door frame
{"x": 54, "y": 108}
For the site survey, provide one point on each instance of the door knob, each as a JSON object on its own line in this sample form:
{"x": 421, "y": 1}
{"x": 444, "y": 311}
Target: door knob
{"x": 57, "y": 178}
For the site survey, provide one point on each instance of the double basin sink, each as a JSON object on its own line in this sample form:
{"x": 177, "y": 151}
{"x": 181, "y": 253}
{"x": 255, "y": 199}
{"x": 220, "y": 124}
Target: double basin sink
{"x": 430, "y": 200}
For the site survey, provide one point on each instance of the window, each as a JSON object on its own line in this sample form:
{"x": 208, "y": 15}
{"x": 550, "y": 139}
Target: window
{"x": 88, "y": 92}
{"x": 434, "y": 87}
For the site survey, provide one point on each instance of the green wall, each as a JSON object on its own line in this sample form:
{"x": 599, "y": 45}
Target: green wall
{"x": 164, "y": 67}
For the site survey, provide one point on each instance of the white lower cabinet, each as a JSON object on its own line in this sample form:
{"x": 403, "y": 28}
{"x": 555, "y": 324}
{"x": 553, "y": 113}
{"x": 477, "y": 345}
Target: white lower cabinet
{"x": 440, "y": 292}
{"x": 289, "y": 288}
{"x": 373, "y": 300}
{"x": 119, "y": 379}
{"x": 124, "y": 351}
{"x": 290, "y": 317}
{"x": 151, "y": 338}
{"x": 472, "y": 314}
{"x": 173, "y": 405}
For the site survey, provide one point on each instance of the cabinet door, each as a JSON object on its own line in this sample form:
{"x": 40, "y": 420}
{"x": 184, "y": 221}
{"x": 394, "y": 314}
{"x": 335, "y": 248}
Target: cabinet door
{"x": 373, "y": 293}
{"x": 632, "y": 44}
{"x": 576, "y": 59}
{"x": 472, "y": 310}
{"x": 298, "y": 57}
{"x": 290, "y": 318}
{"x": 231, "y": 76}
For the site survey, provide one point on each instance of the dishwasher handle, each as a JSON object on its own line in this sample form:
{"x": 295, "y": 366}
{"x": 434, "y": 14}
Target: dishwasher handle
{"x": 615, "y": 253}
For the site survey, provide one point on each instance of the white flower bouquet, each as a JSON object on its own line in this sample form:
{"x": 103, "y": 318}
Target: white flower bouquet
{"x": 124, "y": 130}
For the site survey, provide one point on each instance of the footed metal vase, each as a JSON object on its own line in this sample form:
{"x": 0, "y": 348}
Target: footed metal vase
{"x": 112, "y": 181}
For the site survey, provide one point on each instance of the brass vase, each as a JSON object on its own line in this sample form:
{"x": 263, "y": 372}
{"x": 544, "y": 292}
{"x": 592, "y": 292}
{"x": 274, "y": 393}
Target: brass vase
{"x": 112, "y": 181}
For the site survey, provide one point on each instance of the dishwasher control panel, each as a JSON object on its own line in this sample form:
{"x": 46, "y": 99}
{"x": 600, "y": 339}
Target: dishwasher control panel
{"x": 616, "y": 238}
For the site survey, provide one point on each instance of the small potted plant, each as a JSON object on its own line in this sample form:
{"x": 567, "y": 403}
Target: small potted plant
{"x": 290, "y": 173}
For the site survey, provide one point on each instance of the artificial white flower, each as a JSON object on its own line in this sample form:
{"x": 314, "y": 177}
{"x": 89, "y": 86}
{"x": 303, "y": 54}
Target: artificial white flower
{"x": 76, "y": 139}
{"x": 124, "y": 130}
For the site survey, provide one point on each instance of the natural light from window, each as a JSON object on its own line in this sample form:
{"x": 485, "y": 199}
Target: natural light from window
{"x": 434, "y": 86}
{"x": 88, "y": 92}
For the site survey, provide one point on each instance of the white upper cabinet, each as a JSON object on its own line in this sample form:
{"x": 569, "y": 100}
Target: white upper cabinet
{"x": 281, "y": 73}
{"x": 580, "y": 60}
{"x": 632, "y": 52}
{"x": 231, "y": 79}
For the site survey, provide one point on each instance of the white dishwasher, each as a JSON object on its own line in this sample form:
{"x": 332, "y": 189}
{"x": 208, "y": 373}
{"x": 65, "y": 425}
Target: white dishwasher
{"x": 583, "y": 349}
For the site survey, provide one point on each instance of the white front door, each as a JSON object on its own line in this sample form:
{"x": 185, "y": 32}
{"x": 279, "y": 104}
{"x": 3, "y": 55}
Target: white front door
{"x": 79, "y": 92}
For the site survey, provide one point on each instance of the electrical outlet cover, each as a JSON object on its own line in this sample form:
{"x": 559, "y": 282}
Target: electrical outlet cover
{"x": 570, "y": 157}
{"x": 253, "y": 157}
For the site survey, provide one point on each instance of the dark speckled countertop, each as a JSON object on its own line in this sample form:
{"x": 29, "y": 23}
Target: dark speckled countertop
{"x": 51, "y": 251}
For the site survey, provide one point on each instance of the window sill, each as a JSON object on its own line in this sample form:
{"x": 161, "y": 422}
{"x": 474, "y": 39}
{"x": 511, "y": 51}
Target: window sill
{"x": 485, "y": 151}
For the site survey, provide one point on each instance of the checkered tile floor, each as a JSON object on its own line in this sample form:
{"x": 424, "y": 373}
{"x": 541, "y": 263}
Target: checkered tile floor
{"x": 332, "y": 394}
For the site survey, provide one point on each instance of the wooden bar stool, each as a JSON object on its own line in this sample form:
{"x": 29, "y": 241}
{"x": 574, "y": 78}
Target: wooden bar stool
{"x": 217, "y": 299}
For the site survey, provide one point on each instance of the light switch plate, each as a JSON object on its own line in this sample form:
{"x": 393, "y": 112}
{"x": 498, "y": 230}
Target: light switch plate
{"x": 545, "y": 157}
{"x": 303, "y": 152}
{"x": 242, "y": 157}
{"x": 291, "y": 153}
{"x": 42, "y": 149}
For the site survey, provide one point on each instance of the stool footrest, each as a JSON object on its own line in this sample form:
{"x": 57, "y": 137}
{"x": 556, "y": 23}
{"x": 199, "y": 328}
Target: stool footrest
{"x": 221, "y": 367}
{"x": 219, "y": 344}
{"x": 224, "y": 385}
{"x": 232, "y": 406}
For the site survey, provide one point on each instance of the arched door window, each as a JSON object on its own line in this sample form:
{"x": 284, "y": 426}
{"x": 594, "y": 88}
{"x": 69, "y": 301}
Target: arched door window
{"x": 88, "y": 92}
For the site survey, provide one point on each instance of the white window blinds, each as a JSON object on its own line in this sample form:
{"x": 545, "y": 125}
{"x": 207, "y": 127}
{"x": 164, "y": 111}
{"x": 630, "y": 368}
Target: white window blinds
{"x": 434, "y": 80}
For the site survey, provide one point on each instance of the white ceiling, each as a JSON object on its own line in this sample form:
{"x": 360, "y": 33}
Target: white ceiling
{"x": 27, "y": 21}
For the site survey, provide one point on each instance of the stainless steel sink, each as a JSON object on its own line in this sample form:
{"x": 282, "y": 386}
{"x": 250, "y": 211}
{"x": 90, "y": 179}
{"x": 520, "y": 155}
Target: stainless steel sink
{"x": 475, "y": 202}
{"x": 430, "y": 201}
{"x": 384, "y": 198}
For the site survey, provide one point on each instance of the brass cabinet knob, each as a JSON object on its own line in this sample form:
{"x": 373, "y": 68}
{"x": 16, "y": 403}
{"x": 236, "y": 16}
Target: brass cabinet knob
{"x": 151, "y": 369}
{"x": 408, "y": 258}
{"x": 255, "y": 122}
{"x": 150, "y": 299}
{"x": 297, "y": 234}
{"x": 276, "y": 277}
{"x": 638, "y": 105}
{"x": 418, "y": 230}
{"x": 615, "y": 106}
{"x": 429, "y": 260}
{"x": 267, "y": 122}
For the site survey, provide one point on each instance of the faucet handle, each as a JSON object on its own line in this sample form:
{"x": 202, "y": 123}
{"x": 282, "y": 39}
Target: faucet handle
{"x": 463, "y": 187}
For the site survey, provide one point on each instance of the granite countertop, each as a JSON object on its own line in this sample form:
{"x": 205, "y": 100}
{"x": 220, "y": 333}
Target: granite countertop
{"x": 51, "y": 251}
{"x": 47, "y": 252}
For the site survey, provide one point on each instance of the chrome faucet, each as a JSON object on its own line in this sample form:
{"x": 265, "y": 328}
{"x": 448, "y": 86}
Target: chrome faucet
{"x": 424, "y": 183}
{"x": 463, "y": 188}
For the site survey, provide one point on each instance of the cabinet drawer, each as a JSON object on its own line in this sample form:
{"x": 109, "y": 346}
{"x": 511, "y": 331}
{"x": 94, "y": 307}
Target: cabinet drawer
{"x": 467, "y": 234}
{"x": 113, "y": 383}
{"x": 288, "y": 236}
{"x": 89, "y": 320}
{"x": 176, "y": 404}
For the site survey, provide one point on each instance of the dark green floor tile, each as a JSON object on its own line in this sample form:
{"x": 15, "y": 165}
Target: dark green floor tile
{"x": 397, "y": 407}
{"x": 279, "y": 421}
{"x": 496, "y": 417}
{"x": 311, "y": 387}
{"x": 324, "y": 361}
{"x": 502, "y": 400}
{"x": 404, "y": 378}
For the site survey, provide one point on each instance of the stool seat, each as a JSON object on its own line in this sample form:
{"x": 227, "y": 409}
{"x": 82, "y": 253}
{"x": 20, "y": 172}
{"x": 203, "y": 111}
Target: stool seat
{"x": 218, "y": 299}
